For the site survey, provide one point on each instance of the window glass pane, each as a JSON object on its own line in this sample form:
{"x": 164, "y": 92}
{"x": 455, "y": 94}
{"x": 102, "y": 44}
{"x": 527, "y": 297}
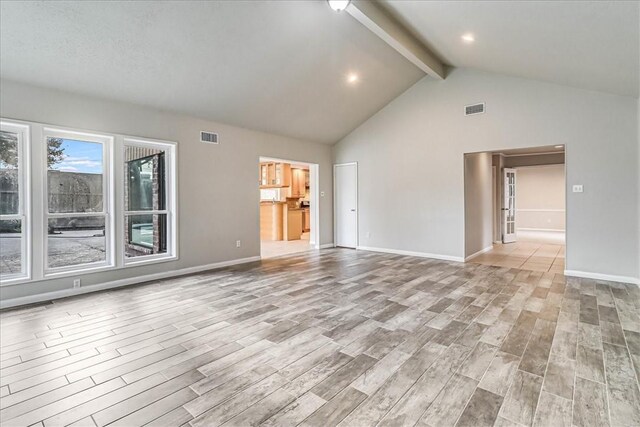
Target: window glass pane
{"x": 76, "y": 240}
{"x": 10, "y": 247}
{"x": 145, "y": 235}
{"x": 145, "y": 177}
{"x": 75, "y": 175}
{"x": 9, "y": 195}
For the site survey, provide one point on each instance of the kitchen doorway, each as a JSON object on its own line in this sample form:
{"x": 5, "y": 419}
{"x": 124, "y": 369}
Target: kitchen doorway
{"x": 288, "y": 207}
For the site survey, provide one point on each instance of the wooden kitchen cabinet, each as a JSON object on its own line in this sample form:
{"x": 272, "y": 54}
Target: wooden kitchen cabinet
{"x": 264, "y": 174}
{"x": 306, "y": 215}
{"x": 292, "y": 224}
{"x": 274, "y": 174}
{"x": 271, "y": 216}
{"x": 298, "y": 188}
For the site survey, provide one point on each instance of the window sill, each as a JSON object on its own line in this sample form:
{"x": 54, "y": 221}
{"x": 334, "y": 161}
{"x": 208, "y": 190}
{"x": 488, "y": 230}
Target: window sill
{"x": 149, "y": 259}
{"x": 53, "y": 274}
{"x": 97, "y": 269}
{"x": 14, "y": 281}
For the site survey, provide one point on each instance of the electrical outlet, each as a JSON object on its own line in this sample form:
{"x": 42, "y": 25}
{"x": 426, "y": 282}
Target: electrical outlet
{"x": 76, "y": 283}
{"x": 237, "y": 243}
{"x": 578, "y": 189}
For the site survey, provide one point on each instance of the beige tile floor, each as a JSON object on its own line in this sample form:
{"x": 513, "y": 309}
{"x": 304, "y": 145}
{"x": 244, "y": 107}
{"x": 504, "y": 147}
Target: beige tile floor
{"x": 275, "y": 248}
{"x": 525, "y": 255}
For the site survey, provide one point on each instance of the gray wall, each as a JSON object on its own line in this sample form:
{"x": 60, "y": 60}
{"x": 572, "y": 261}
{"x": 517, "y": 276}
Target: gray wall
{"x": 218, "y": 196}
{"x": 410, "y": 156}
{"x": 478, "y": 209}
{"x": 540, "y": 198}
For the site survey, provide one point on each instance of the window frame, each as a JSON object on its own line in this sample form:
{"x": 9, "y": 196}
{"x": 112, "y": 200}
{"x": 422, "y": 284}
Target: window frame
{"x": 107, "y": 141}
{"x": 170, "y": 210}
{"x": 23, "y": 130}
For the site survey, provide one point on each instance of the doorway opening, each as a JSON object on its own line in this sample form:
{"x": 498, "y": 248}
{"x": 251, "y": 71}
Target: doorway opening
{"x": 515, "y": 208}
{"x": 288, "y": 207}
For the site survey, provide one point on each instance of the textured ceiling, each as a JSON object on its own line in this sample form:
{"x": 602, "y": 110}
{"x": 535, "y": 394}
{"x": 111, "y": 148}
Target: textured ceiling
{"x": 588, "y": 44}
{"x": 276, "y": 66}
{"x": 281, "y": 66}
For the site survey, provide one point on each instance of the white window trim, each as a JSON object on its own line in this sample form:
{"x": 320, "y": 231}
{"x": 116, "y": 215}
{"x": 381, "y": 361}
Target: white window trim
{"x": 171, "y": 211}
{"x": 107, "y": 142}
{"x": 36, "y": 228}
{"x": 24, "y": 197}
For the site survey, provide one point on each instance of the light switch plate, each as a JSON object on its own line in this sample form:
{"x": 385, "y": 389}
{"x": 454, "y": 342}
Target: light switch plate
{"x": 577, "y": 189}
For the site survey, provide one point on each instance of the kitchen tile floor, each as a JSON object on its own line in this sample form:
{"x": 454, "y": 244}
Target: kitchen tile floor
{"x": 276, "y": 248}
{"x": 326, "y": 338}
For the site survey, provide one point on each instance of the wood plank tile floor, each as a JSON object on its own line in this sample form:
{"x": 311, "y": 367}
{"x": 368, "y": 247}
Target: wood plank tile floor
{"x": 325, "y": 338}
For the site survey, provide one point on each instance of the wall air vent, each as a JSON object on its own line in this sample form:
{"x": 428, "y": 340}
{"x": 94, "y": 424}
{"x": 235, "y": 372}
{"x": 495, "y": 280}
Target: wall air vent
{"x": 209, "y": 137}
{"x": 474, "y": 109}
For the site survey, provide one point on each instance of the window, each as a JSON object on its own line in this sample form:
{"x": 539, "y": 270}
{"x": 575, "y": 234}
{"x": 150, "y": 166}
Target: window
{"x": 78, "y": 221}
{"x": 79, "y": 176}
{"x": 14, "y": 202}
{"x": 148, "y": 217}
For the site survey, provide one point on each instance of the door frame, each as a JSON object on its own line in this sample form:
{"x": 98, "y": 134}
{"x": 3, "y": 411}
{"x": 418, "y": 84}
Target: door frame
{"x": 314, "y": 195}
{"x": 335, "y": 194}
{"x": 505, "y": 187}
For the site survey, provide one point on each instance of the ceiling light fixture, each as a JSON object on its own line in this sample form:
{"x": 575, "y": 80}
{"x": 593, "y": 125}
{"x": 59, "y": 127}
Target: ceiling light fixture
{"x": 352, "y": 78}
{"x": 338, "y": 5}
{"x": 468, "y": 38}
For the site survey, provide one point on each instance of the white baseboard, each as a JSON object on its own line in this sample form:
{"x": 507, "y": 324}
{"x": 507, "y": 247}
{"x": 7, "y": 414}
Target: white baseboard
{"x": 599, "y": 276}
{"x": 480, "y": 252}
{"x": 546, "y": 230}
{"x": 327, "y": 245}
{"x": 411, "y": 253}
{"x": 49, "y": 296}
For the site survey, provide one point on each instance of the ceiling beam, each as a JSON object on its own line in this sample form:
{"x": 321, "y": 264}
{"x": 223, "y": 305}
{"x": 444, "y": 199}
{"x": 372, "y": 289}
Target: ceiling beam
{"x": 369, "y": 14}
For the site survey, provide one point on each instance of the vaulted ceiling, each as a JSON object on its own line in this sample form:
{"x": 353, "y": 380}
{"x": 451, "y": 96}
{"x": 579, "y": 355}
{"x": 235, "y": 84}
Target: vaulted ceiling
{"x": 276, "y": 66}
{"x": 282, "y": 66}
{"x": 588, "y": 44}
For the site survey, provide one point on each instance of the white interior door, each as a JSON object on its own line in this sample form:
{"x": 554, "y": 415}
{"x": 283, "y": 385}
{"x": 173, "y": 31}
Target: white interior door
{"x": 509, "y": 206}
{"x": 345, "y": 190}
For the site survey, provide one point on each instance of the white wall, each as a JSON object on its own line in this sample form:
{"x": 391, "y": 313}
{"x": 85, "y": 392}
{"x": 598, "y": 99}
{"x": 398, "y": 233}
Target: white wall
{"x": 540, "y": 198}
{"x": 217, "y": 185}
{"x": 478, "y": 209}
{"x": 410, "y": 157}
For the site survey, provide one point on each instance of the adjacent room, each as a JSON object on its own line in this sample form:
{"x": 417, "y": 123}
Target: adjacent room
{"x": 285, "y": 208}
{"x": 320, "y": 213}
{"x": 520, "y": 220}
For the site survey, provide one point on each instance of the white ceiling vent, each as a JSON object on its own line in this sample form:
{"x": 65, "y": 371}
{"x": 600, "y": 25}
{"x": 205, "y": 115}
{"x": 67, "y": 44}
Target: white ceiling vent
{"x": 209, "y": 137}
{"x": 474, "y": 109}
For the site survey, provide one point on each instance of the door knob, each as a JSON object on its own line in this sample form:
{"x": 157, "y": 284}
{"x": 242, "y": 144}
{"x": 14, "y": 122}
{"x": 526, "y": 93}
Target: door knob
{"x": 353, "y": 210}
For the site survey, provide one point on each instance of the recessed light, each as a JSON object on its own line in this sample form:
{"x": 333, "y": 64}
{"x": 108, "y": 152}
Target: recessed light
{"x": 338, "y": 5}
{"x": 352, "y": 78}
{"x": 468, "y": 38}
